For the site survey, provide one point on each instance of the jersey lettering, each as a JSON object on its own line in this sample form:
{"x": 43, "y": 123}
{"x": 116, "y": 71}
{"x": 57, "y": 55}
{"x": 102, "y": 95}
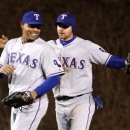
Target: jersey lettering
{"x": 23, "y": 59}
{"x": 20, "y": 57}
{"x": 73, "y": 63}
{"x": 36, "y": 15}
{"x": 63, "y": 16}
{"x": 12, "y": 56}
{"x": 34, "y": 63}
{"x": 26, "y": 60}
{"x": 65, "y": 60}
{"x": 81, "y": 64}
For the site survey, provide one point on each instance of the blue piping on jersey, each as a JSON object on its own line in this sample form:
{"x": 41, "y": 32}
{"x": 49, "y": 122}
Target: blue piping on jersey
{"x": 67, "y": 42}
{"x": 47, "y": 85}
{"x": 116, "y": 62}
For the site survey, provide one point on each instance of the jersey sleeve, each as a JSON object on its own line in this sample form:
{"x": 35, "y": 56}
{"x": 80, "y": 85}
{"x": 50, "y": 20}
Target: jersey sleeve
{"x": 98, "y": 55}
{"x": 50, "y": 63}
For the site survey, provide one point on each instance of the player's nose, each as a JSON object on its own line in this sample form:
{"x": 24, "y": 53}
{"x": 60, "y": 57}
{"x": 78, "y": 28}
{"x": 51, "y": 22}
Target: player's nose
{"x": 60, "y": 29}
{"x": 35, "y": 29}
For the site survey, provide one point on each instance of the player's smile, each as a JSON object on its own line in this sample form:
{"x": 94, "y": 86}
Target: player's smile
{"x": 35, "y": 30}
{"x": 30, "y": 32}
{"x": 34, "y": 35}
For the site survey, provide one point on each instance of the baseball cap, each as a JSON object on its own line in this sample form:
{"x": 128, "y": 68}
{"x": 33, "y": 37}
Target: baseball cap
{"x": 32, "y": 17}
{"x": 67, "y": 19}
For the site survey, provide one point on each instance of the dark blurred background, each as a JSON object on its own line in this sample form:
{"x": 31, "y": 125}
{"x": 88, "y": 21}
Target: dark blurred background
{"x": 104, "y": 22}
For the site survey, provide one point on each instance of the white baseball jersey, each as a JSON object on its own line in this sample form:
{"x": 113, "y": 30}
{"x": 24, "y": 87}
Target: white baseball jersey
{"x": 33, "y": 62}
{"x": 77, "y": 58}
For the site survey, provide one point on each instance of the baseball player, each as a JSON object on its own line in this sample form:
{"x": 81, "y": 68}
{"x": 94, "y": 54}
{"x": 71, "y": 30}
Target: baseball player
{"x": 75, "y": 105}
{"x": 30, "y": 62}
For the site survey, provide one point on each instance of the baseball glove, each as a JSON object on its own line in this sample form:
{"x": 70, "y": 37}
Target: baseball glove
{"x": 127, "y": 67}
{"x": 18, "y": 99}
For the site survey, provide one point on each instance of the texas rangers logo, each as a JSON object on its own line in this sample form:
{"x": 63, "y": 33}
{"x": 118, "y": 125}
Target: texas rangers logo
{"x": 37, "y": 16}
{"x": 63, "y": 16}
{"x": 56, "y": 63}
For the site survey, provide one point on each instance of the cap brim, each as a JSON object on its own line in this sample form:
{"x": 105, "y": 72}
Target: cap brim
{"x": 62, "y": 23}
{"x": 34, "y": 23}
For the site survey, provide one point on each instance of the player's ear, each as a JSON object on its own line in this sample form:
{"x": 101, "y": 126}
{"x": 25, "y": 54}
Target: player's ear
{"x": 22, "y": 25}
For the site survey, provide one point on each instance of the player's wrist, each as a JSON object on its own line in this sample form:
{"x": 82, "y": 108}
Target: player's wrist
{"x": 34, "y": 94}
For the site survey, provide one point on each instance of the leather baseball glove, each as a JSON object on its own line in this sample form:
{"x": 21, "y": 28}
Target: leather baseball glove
{"x": 18, "y": 99}
{"x": 127, "y": 67}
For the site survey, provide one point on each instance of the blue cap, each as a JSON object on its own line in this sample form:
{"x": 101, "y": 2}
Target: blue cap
{"x": 32, "y": 17}
{"x": 67, "y": 19}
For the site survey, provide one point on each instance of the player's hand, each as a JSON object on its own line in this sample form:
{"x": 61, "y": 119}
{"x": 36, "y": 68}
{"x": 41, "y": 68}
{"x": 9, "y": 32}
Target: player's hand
{"x": 3, "y": 41}
{"x": 7, "y": 69}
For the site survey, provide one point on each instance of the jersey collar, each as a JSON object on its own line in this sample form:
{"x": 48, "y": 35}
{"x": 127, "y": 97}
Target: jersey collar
{"x": 67, "y": 42}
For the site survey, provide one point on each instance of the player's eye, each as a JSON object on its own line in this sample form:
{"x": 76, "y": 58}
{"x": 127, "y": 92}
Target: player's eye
{"x": 63, "y": 26}
{"x": 34, "y": 26}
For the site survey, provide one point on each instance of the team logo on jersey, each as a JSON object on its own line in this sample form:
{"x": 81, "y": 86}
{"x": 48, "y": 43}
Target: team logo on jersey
{"x": 101, "y": 49}
{"x": 56, "y": 63}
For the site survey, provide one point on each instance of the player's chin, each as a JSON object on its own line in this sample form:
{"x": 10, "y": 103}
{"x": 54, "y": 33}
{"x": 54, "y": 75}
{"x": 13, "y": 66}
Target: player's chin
{"x": 61, "y": 36}
{"x": 33, "y": 38}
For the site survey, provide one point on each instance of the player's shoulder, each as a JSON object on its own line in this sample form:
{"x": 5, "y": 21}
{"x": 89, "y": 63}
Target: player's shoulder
{"x": 91, "y": 44}
{"x": 79, "y": 39}
{"x": 88, "y": 43}
{"x": 82, "y": 42}
{"x": 53, "y": 42}
{"x": 93, "y": 47}
{"x": 44, "y": 44}
{"x": 13, "y": 41}
{"x": 40, "y": 40}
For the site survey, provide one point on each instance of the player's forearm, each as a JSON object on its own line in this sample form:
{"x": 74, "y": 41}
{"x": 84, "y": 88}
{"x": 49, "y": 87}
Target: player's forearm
{"x": 46, "y": 86}
{"x": 116, "y": 62}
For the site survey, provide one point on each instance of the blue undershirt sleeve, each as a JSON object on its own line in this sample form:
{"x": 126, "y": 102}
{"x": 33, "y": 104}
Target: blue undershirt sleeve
{"x": 1, "y": 75}
{"x": 116, "y": 62}
{"x": 47, "y": 85}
